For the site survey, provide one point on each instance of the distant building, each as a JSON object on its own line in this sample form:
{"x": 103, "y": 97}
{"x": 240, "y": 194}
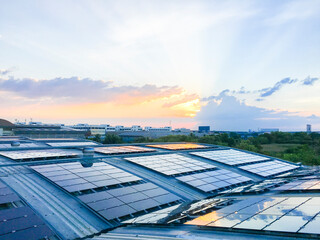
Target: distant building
{"x": 47, "y": 131}
{"x": 160, "y": 129}
{"x": 6, "y": 127}
{"x": 136, "y": 128}
{"x": 269, "y": 130}
{"x": 182, "y": 130}
{"x": 93, "y": 129}
{"x": 204, "y": 128}
{"x": 308, "y": 128}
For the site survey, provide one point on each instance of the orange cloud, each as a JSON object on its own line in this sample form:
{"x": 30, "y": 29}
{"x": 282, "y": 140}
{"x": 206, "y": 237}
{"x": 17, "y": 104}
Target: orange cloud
{"x": 182, "y": 105}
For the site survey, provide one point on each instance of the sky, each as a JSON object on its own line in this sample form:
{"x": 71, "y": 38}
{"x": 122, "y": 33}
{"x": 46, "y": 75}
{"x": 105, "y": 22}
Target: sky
{"x": 233, "y": 65}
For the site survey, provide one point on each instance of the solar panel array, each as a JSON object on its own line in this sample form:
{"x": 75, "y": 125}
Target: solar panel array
{"x": 231, "y": 157}
{"x": 116, "y": 203}
{"x": 22, "y": 145}
{"x": 70, "y": 144}
{"x": 171, "y": 164}
{"x": 178, "y": 146}
{"x": 74, "y": 177}
{"x": 53, "y": 139}
{"x": 214, "y": 180}
{"x": 292, "y": 214}
{"x": 114, "y": 192}
{"x": 122, "y": 150}
{"x": 27, "y": 155}
{"x": 19, "y": 221}
{"x": 266, "y": 169}
{"x": 300, "y": 185}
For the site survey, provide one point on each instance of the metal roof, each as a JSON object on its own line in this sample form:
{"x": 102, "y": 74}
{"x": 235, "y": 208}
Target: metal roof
{"x": 166, "y": 193}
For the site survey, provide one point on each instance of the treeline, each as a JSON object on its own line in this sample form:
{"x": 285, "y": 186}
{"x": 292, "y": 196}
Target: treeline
{"x": 299, "y": 147}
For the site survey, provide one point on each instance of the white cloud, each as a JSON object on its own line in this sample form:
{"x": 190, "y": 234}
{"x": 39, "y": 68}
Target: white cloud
{"x": 226, "y": 112}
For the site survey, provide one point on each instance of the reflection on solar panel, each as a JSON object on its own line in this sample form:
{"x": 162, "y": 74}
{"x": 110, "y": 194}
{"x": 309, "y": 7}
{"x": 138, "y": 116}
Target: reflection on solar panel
{"x": 171, "y": 164}
{"x": 283, "y": 214}
{"x": 178, "y": 146}
{"x": 213, "y": 180}
{"x": 113, "y": 193}
{"x": 270, "y": 168}
{"x": 28, "y": 155}
{"x": 299, "y": 185}
{"x": 22, "y": 145}
{"x": 154, "y": 217}
{"x": 230, "y": 157}
{"x": 18, "y": 221}
{"x": 122, "y": 150}
{"x": 70, "y": 144}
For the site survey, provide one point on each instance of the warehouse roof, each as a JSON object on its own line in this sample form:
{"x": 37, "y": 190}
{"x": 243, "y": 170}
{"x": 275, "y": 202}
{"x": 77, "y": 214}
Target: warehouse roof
{"x": 81, "y": 189}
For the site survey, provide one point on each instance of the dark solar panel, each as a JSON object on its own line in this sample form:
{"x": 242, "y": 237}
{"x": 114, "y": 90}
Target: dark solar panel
{"x": 110, "y": 203}
{"x": 34, "y": 233}
{"x": 12, "y": 213}
{"x": 74, "y": 177}
{"x": 19, "y": 222}
{"x": 134, "y": 198}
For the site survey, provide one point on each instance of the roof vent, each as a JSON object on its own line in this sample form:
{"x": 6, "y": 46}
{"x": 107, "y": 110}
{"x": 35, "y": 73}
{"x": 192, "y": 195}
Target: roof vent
{"x": 88, "y": 153}
{"x": 15, "y": 144}
{"x": 86, "y": 164}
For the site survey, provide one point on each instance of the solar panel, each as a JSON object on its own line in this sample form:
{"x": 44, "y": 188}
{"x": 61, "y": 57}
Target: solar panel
{"x": 70, "y": 144}
{"x": 284, "y": 214}
{"x": 214, "y": 180}
{"x": 22, "y": 145}
{"x": 116, "y": 203}
{"x": 171, "y": 164}
{"x": 122, "y": 150}
{"x": 115, "y": 200}
{"x": 266, "y": 169}
{"x": 300, "y": 185}
{"x": 74, "y": 177}
{"x": 19, "y": 222}
{"x": 178, "y": 146}
{"x": 231, "y": 157}
{"x": 53, "y": 139}
{"x": 27, "y": 155}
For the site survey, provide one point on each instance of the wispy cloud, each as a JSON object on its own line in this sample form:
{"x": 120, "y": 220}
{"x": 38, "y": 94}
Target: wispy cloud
{"x": 185, "y": 99}
{"x": 4, "y": 71}
{"x": 86, "y": 90}
{"x": 309, "y": 80}
{"x": 269, "y": 91}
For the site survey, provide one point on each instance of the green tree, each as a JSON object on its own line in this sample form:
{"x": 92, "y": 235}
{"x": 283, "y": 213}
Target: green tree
{"x": 97, "y": 138}
{"x": 112, "y": 139}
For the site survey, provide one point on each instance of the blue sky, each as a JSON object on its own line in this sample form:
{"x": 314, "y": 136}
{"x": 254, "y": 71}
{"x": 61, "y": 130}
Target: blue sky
{"x": 162, "y": 61}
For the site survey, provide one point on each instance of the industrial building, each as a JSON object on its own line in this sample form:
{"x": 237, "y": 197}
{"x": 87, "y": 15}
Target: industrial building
{"x": 78, "y": 189}
{"x": 39, "y": 130}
